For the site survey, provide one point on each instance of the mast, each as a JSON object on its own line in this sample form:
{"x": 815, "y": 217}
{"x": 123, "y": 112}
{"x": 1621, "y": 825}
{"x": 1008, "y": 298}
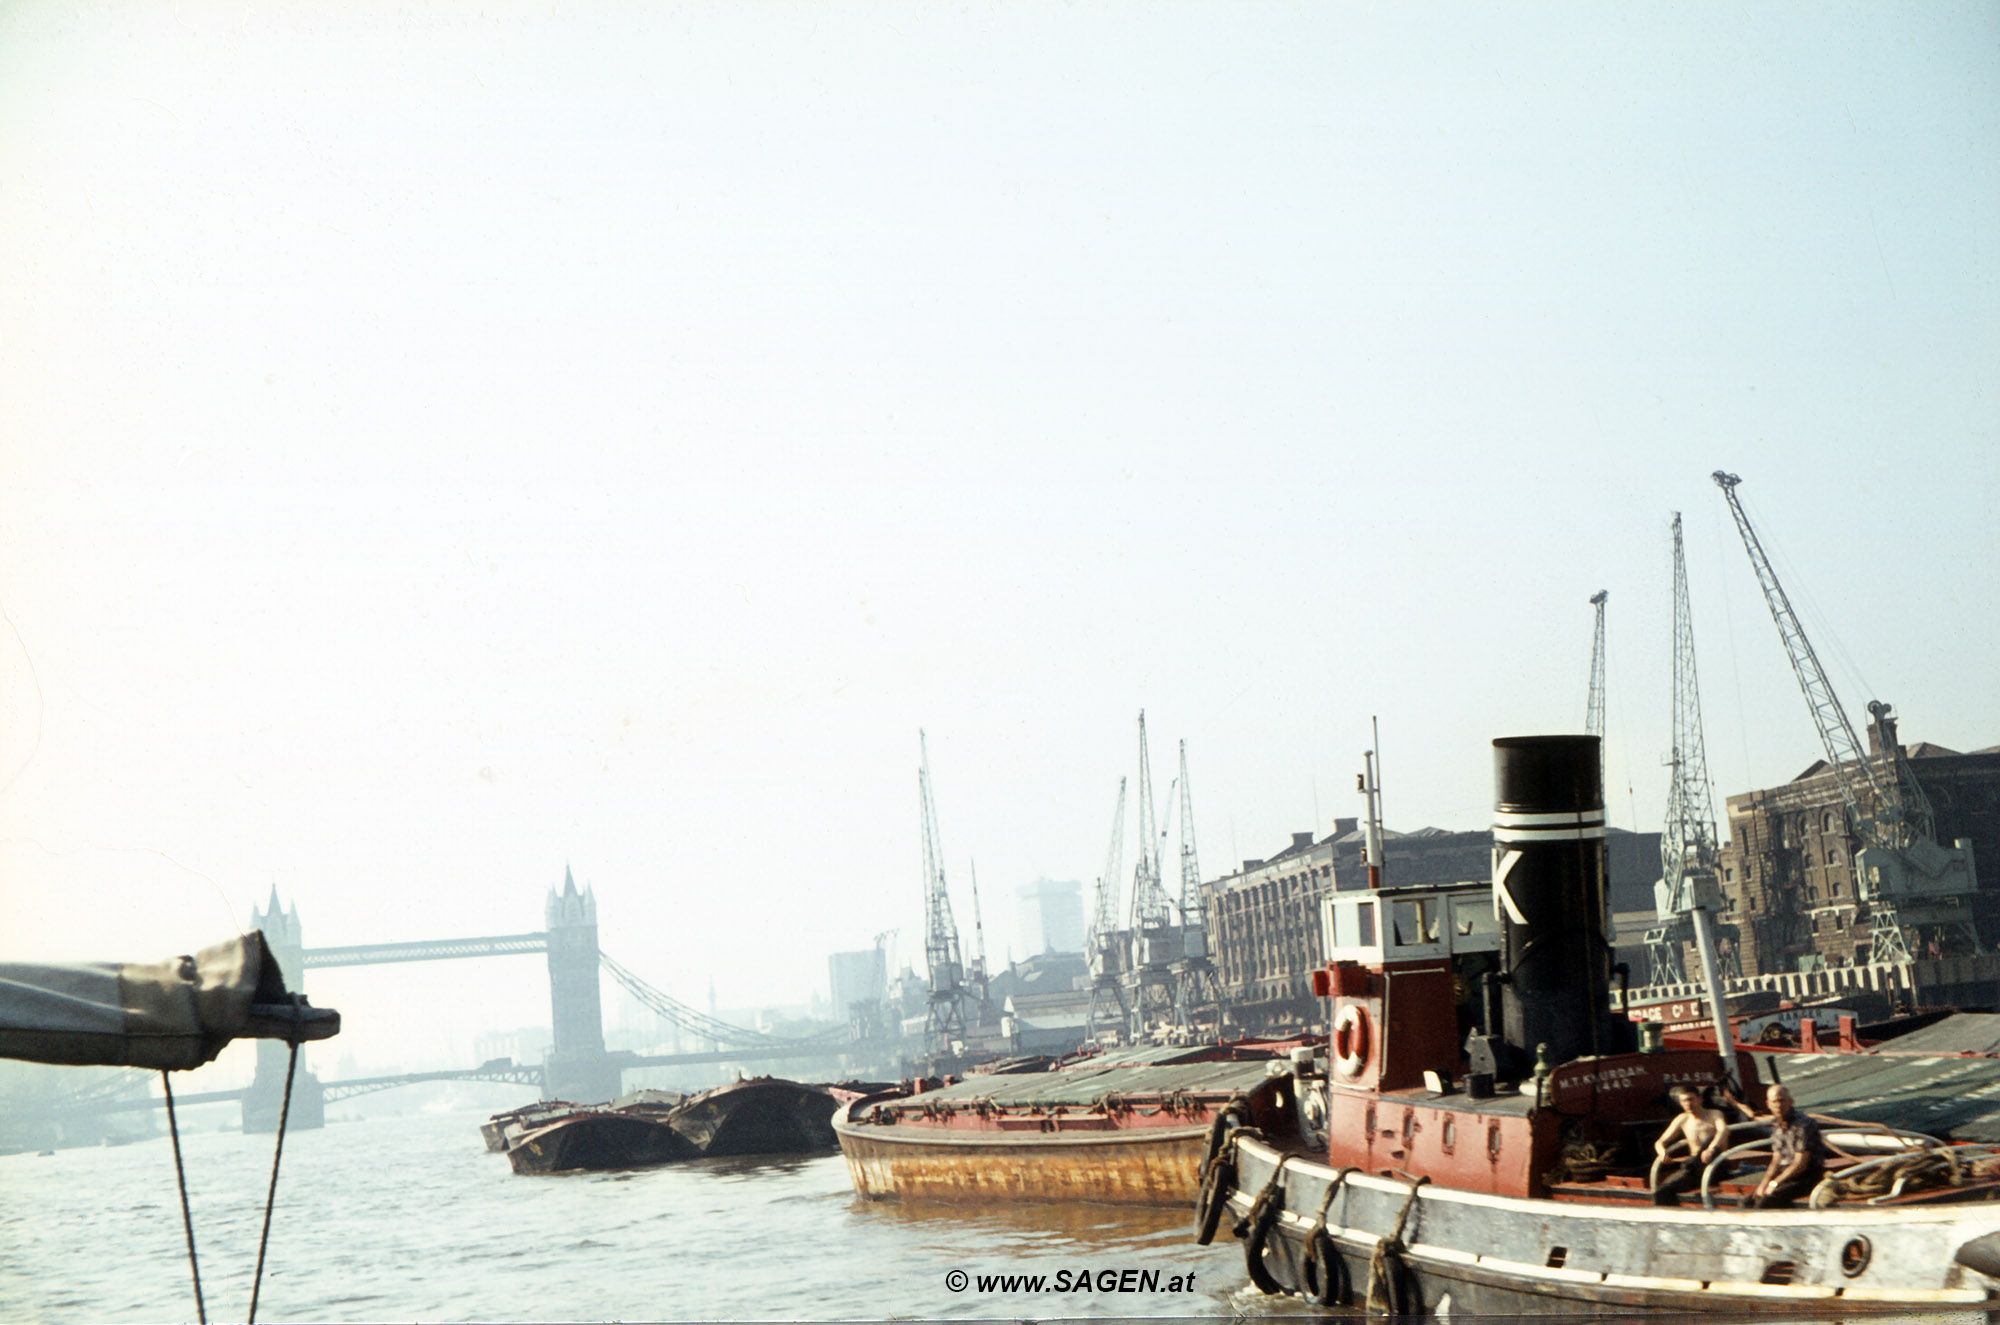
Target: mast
{"x": 1370, "y": 785}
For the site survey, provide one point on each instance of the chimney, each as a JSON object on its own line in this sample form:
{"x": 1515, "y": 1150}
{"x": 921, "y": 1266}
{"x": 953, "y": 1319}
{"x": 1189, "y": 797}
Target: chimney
{"x": 1300, "y": 841}
{"x": 1881, "y": 728}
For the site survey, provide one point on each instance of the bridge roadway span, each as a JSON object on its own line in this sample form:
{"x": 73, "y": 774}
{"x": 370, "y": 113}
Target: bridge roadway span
{"x": 430, "y": 950}
{"x": 511, "y": 1074}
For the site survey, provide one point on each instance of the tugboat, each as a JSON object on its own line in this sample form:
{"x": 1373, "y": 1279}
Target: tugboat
{"x": 1490, "y": 1120}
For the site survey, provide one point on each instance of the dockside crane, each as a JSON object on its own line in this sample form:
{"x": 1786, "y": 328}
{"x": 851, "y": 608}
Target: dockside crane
{"x": 1593, "y": 711}
{"x": 1688, "y": 896}
{"x": 944, "y": 1018}
{"x": 1910, "y": 883}
{"x": 1154, "y": 941}
{"x": 1106, "y": 952}
{"x": 979, "y": 973}
{"x": 1197, "y": 988}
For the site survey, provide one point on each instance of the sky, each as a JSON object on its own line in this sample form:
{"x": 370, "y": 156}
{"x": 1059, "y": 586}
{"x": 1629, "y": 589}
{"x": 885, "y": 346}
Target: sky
{"x": 445, "y": 444}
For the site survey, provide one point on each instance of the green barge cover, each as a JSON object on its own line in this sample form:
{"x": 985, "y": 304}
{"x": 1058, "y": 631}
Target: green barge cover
{"x": 1083, "y": 1086}
{"x": 1943, "y": 1080}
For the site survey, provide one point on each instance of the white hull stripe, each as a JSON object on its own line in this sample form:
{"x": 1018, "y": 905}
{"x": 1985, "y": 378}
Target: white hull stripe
{"x": 1549, "y": 1275}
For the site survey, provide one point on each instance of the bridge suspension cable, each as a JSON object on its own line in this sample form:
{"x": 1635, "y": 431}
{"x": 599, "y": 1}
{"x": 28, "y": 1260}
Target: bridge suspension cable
{"x": 700, "y": 1023}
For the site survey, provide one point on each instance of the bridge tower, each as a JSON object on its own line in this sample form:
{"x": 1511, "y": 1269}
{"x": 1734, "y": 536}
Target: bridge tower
{"x": 266, "y": 1097}
{"x": 577, "y": 1067}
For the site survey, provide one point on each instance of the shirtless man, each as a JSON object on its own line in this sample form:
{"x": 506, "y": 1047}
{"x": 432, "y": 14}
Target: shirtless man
{"x": 1702, "y": 1131}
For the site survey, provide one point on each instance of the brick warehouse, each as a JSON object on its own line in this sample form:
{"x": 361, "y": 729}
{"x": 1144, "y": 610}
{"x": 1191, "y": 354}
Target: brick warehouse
{"x": 1788, "y": 868}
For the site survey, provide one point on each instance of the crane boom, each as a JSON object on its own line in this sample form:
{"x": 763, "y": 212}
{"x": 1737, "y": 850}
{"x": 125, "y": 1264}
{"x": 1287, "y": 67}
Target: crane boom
{"x": 1153, "y": 938}
{"x": 1852, "y": 770}
{"x": 1593, "y": 712}
{"x": 1109, "y": 1012}
{"x": 1911, "y": 883}
{"x": 1689, "y": 843}
{"x": 978, "y": 929}
{"x": 1149, "y": 897}
{"x": 1689, "y": 891}
{"x": 944, "y": 1019}
{"x": 1104, "y": 916}
{"x": 1190, "y": 866}
{"x": 1197, "y": 989}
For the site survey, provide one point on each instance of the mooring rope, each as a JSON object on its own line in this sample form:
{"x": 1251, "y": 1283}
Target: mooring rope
{"x": 1384, "y": 1292}
{"x": 1255, "y": 1228}
{"x": 271, "y": 1196}
{"x": 1320, "y": 1271}
{"x": 180, "y": 1175}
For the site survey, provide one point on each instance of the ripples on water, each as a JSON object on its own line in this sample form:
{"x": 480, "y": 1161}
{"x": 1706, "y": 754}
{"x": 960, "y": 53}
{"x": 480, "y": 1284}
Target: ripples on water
{"x": 412, "y": 1218}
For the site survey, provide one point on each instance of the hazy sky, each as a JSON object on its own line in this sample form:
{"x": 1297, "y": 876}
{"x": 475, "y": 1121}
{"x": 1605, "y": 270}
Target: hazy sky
{"x": 441, "y": 443}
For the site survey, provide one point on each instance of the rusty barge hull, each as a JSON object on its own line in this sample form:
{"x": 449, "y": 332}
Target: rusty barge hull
{"x": 1151, "y": 1166}
{"x": 1124, "y": 1129}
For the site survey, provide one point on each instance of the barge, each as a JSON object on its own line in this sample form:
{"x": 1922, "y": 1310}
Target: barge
{"x": 1125, "y": 1127}
{"x": 758, "y": 1116}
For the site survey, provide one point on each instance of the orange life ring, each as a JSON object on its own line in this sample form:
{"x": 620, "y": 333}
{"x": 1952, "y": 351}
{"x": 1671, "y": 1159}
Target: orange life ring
{"x": 1350, "y": 1040}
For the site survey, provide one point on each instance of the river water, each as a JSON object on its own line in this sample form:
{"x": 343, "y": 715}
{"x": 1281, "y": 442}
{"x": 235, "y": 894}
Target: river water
{"x": 412, "y": 1218}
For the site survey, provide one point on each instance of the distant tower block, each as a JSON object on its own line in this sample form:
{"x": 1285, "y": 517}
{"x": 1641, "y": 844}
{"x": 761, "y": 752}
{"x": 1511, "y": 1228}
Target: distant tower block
{"x": 577, "y": 1068}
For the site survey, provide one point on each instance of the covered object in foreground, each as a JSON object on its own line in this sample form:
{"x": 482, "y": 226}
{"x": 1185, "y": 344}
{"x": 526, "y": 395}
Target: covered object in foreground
{"x": 173, "y": 1015}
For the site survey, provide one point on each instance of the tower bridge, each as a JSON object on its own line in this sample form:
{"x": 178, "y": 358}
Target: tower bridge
{"x": 577, "y": 1066}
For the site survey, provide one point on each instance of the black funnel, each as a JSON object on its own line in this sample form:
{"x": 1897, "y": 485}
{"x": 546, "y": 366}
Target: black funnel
{"x": 1549, "y": 887}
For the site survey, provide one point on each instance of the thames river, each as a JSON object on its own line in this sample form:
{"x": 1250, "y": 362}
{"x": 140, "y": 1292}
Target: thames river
{"x": 412, "y": 1218}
